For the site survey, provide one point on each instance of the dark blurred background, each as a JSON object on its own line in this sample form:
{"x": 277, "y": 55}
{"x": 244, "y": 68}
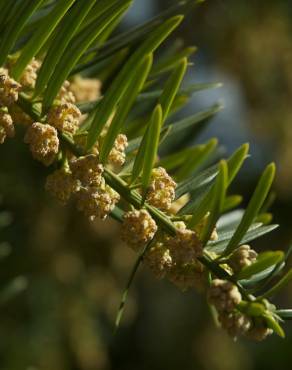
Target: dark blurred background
{"x": 70, "y": 273}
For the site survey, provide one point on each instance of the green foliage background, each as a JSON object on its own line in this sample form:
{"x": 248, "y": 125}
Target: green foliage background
{"x": 76, "y": 271}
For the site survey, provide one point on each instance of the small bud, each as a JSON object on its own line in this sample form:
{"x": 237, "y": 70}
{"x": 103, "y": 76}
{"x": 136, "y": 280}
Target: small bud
{"x": 9, "y": 89}
{"x": 185, "y": 247}
{"x": 224, "y": 295}
{"x": 161, "y": 191}
{"x": 97, "y": 202}
{"x": 138, "y": 228}
{"x": 64, "y": 117}
{"x": 235, "y": 323}
{"x": 65, "y": 95}
{"x": 87, "y": 170}
{"x": 29, "y": 75}
{"x": 6, "y": 125}
{"x": 242, "y": 257}
{"x": 258, "y": 332}
{"x": 43, "y": 141}
{"x": 117, "y": 155}
{"x": 158, "y": 260}
{"x": 61, "y": 185}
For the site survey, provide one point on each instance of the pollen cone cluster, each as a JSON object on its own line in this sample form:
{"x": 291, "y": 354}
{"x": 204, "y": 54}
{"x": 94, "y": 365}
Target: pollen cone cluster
{"x": 138, "y": 228}
{"x": 225, "y": 297}
{"x": 43, "y": 142}
{"x": 161, "y": 191}
{"x": 83, "y": 179}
